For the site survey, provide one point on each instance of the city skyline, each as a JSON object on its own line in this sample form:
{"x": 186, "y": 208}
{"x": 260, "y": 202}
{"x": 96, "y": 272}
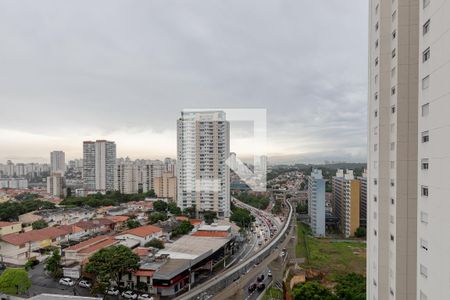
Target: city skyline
{"x": 128, "y": 81}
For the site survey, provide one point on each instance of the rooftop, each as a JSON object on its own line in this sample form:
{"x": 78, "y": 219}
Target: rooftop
{"x": 191, "y": 247}
{"x": 34, "y": 235}
{"x": 142, "y": 231}
{"x": 5, "y": 224}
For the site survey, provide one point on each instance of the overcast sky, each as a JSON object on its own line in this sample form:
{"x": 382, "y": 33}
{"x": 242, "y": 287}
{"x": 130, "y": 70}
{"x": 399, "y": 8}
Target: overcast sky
{"x": 123, "y": 70}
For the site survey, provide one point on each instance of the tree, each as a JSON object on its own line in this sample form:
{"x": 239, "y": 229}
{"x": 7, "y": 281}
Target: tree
{"x": 302, "y": 208}
{"x": 155, "y": 243}
{"x": 53, "y": 264}
{"x": 133, "y": 223}
{"x": 14, "y": 281}
{"x": 209, "y": 216}
{"x": 173, "y": 208}
{"x": 190, "y": 211}
{"x": 181, "y": 229}
{"x": 39, "y": 224}
{"x": 157, "y": 216}
{"x": 160, "y": 206}
{"x": 312, "y": 291}
{"x": 151, "y": 194}
{"x": 242, "y": 217}
{"x": 109, "y": 264}
{"x": 351, "y": 287}
{"x": 360, "y": 232}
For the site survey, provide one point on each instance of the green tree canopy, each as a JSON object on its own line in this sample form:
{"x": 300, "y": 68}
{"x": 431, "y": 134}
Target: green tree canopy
{"x": 160, "y": 206}
{"x": 173, "y": 208}
{"x": 184, "y": 227}
{"x": 209, "y": 216}
{"x": 351, "y": 287}
{"x": 53, "y": 264}
{"x": 14, "y": 281}
{"x": 241, "y": 216}
{"x": 155, "y": 243}
{"x": 39, "y": 224}
{"x": 360, "y": 232}
{"x": 109, "y": 264}
{"x": 133, "y": 223}
{"x": 312, "y": 291}
{"x": 155, "y": 217}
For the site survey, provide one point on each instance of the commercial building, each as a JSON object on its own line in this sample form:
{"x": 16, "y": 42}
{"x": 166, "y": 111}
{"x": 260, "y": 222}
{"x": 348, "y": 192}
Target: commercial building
{"x": 316, "y": 202}
{"x": 346, "y": 200}
{"x": 395, "y": 30}
{"x": 99, "y": 163}
{"x": 166, "y": 186}
{"x": 203, "y": 146}
{"x": 57, "y": 162}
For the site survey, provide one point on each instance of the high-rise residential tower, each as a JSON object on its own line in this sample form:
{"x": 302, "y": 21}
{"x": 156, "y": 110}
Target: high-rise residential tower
{"x": 392, "y": 154}
{"x": 99, "y": 163}
{"x": 57, "y": 162}
{"x": 316, "y": 202}
{"x": 203, "y": 146}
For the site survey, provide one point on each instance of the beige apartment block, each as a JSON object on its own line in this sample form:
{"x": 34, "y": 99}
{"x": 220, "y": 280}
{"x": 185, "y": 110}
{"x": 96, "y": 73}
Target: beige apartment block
{"x": 166, "y": 186}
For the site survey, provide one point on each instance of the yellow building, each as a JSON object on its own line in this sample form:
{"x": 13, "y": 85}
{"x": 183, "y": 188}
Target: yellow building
{"x": 10, "y": 227}
{"x": 166, "y": 186}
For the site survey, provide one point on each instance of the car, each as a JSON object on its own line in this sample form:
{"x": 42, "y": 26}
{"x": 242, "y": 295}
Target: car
{"x": 2, "y": 266}
{"x": 112, "y": 291}
{"x": 145, "y": 297}
{"x": 129, "y": 295}
{"x": 252, "y": 287}
{"x": 84, "y": 284}
{"x": 260, "y": 278}
{"x": 261, "y": 286}
{"x": 269, "y": 274}
{"x": 66, "y": 281}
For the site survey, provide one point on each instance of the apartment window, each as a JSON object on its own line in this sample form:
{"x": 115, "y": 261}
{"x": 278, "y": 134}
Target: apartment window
{"x": 376, "y": 96}
{"x": 426, "y": 27}
{"x": 392, "y": 201}
{"x": 423, "y": 271}
{"x": 426, "y": 55}
{"x": 393, "y": 90}
{"x": 392, "y": 182}
{"x": 374, "y": 232}
{"x": 424, "y": 217}
{"x": 393, "y": 109}
{"x": 425, "y": 137}
{"x": 376, "y": 61}
{"x": 424, "y": 191}
{"x": 424, "y": 244}
{"x": 376, "y": 26}
{"x": 425, "y": 82}
{"x": 375, "y": 198}
{"x": 394, "y": 34}
{"x": 376, "y": 113}
{"x": 425, "y": 109}
{"x": 376, "y": 8}
{"x": 392, "y": 146}
{"x": 393, "y": 53}
{"x": 394, "y": 15}
{"x": 391, "y": 291}
{"x": 392, "y": 237}
{"x": 375, "y": 181}
{"x": 391, "y": 218}
{"x": 424, "y": 164}
{"x": 393, "y": 72}
{"x": 426, "y": 3}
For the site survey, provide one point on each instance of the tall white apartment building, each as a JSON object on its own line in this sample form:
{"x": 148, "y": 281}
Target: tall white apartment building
{"x": 203, "y": 146}
{"x": 148, "y": 171}
{"x": 392, "y": 154}
{"x": 57, "y": 162}
{"x": 127, "y": 180}
{"x": 99, "y": 163}
{"x": 316, "y": 202}
{"x": 55, "y": 184}
{"x": 433, "y": 254}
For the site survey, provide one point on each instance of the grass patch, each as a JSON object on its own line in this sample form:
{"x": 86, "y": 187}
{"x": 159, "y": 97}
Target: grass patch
{"x": 273, "y": 293}
{"x": 329, "y": 257}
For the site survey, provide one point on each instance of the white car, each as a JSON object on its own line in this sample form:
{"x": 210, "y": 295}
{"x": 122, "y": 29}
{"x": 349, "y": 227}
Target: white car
{"x": 112, "y": 291}
{"x": 66, "y": 281}
{"x": 269, "y": 274}
{"x": 129, "y": 295}
{"x": 84, "y": 284}
{"x": 145, "y": 297}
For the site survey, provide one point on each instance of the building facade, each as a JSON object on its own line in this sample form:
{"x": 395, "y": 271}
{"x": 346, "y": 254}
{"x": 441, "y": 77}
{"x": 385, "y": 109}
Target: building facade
{"x": 346, "y": 199}
{"x": 203, "y": 146}
{"x": 55, "y": 184}
{"x": 166, "y": 186}
{"x": 363, "y": 200}
{"x": 57, "y": 162}
{"x": 392, "y": 154}
{"x": 316, "y": 202}
{"x": 99, "y": 163}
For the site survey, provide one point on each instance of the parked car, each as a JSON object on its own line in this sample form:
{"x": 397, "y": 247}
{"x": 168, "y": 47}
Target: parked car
{"x": 260, "y": 278}
{"x": 261, "y": 286}
{"x": 66, "y": 281}
{"x": 84, "y": 284}
{"x": 112, "y": 291}
{"x": 269, "y": 274}
{"x": 252, "y": 287}
{"x": 129, "y": 295}
{"x": 145, "y": 297}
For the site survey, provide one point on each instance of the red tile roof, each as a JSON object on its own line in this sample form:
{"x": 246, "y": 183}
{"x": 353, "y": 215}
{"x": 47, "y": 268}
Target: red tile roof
{"x": 146, "y": 273}
{"x": 98, "y": 246}
{"x": 117, "y": 219}
{"x": 181, "y": 218}
{"x": 195, "y": 221}
{"x": 34, "y": 235}
{"x": 142, "y": 231}
{"x": 87, "y": 243}
{"x": 205, "y": 233}
{"x": 140, "y": 251}
{"x": 5, "y": 224}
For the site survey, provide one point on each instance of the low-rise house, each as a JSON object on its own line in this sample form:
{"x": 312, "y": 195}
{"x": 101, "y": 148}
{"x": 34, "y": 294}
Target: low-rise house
{"x": 58, "y": 216}
{"x": 84, "y": 229}
{"x": 119, "y": 222}
{"x": 10, "y": 227}
{"x": 81, "y": 252}
{"x": 142, "y": 234}
{"x": 17, "y": 248}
